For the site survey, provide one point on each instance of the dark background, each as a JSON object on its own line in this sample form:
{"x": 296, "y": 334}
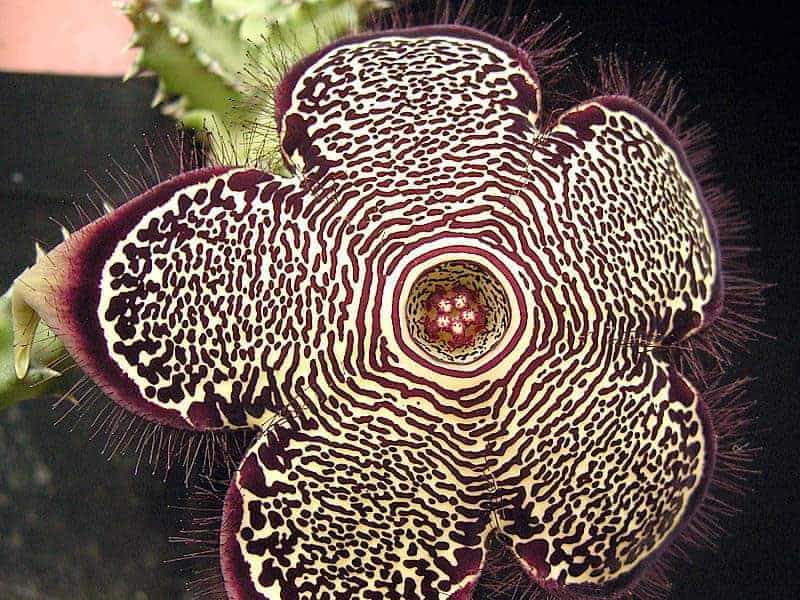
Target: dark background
{"x": 75, "y": 526}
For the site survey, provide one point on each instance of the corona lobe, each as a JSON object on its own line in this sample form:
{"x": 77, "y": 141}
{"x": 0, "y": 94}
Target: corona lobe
{"x": 423, "y": 321}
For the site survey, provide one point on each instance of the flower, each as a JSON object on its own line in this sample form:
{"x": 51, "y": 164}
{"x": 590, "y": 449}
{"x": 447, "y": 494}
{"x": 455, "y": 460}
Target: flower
{"x": 424, "y": 322}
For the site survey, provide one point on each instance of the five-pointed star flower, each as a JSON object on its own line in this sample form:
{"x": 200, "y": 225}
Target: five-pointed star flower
{"x": 432, "y": 304}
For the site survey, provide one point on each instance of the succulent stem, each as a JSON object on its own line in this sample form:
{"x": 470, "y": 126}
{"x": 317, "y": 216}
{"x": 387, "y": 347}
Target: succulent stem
{"x": 202, "y": 52}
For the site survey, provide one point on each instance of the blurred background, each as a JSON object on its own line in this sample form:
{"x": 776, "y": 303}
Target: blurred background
{"x": 73, "y": 525}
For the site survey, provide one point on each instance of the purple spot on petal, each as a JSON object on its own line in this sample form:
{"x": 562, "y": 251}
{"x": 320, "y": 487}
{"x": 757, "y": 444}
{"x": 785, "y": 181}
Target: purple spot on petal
{"x": 534, "y": 553}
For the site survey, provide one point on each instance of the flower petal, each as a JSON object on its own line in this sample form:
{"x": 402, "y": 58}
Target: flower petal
{"x": 607, "y": 480}
{"x": 314, "y": 515}
{"x": 177, "y": 303}
{"x": 401, "y": 109}
{"x": 634, "y": 215}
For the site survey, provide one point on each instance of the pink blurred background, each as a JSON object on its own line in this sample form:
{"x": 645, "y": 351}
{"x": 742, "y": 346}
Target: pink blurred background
{"x": 82, "y": 37}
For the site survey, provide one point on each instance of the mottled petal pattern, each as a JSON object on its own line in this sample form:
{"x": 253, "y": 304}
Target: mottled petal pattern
{"x": 180, "y": 302}
{"x": 632, "y": 212}
{"x": 361, "y": 513}
{"x": 603, "y": 479}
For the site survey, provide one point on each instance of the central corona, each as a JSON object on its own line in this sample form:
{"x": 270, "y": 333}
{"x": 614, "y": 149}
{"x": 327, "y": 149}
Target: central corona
{"x": 457, "y": 311}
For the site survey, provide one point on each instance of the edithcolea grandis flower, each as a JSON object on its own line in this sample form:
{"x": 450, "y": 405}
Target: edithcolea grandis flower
{"x": 457, "y": 323}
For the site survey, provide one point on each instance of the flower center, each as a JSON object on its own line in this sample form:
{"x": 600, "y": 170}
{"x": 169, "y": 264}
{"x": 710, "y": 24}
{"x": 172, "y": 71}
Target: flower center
{"x": 454, "y": 317}
{"x": 457, "y": 311}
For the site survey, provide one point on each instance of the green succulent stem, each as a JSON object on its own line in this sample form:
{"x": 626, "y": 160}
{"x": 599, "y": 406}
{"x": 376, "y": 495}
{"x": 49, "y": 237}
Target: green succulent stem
{"x": 204, "y": 53}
